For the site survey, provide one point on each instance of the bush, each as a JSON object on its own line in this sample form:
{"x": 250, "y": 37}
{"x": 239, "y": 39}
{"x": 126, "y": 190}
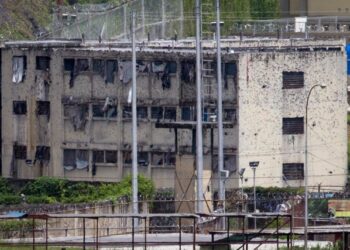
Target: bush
{"x": 10, "y": 199}
{"x": 45, "y": 186}
{"x": 40, "y": 199}
{"x": 5, "y": 187}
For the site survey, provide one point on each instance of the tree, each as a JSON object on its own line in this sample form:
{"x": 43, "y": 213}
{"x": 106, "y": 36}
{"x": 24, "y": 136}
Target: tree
{"x": 264, "y": 9}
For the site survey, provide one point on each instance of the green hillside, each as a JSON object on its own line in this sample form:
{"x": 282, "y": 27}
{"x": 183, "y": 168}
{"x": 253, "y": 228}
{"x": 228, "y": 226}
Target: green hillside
{"x": 24, "y": 19}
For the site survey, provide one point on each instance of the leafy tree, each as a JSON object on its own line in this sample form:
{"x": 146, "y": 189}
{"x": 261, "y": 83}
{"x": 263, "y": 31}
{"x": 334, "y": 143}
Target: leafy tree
{"x": 264, "y": 9}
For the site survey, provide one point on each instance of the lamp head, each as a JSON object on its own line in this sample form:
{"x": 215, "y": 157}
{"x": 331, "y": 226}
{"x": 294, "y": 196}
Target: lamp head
{"x": 241, "y": 171}
{"x": 323, "y": 86}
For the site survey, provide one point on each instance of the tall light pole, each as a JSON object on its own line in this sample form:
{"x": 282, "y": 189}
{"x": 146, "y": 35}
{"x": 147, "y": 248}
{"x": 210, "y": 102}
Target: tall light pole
{"x": 219, "y": 107}
{"x": 199, "y": 134}
{"x": 135, "y": 208}
{"x": 241, "y": 173}
{"x": 306, "y": 216}
{"x": 254, "y": 165}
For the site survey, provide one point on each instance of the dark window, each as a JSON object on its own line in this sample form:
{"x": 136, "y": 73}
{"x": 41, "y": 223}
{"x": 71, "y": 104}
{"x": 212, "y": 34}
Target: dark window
{"x": 188, "y": 72}
{"x": 293, "y": 80}
{"x": 172, "y": 67}
{"x": 69, "y": 157}
{"x": 42, "y": 153}
{"x": 111, "y": 68}
{"x": 42, "y": 62}
{"x": 127, "y": 157}
{"x": 43, "y": 107}
{"x": 98, "y": 66}
{"x": 163, "y": 159}
{"x": 127, "y": 112}
{"x": 68, "y": 64}
{"x": 229, "y": 115}
{"x": 229, "y": 163}
{"x": 111, "y": 156}
{"x": 20, "y": 152}
{"x": 20, "y": 107}
{"x": 98, "y": 156}
{"x": 293, "y": 126}
{"x": 188, "y": 114}
{"x": 230, "y": 69}
{"x": 170, "y": 113}
{"x": 106, "y": 111}
{"x": 142, "y": 112}
{"x": 83, "y": 64}
{"x": 142, "y": 158}
{"x": 293, "y": 171}
{"x": 157, "y": 113}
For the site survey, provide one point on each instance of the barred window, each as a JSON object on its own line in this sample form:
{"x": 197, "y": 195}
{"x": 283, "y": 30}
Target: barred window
{"x": 20, "y": 152}
{"x": 293, "y": 171}
{"x": 43, "y": 108}
{"x": 105, "y": 156}
{"x": 19, "y": 107}
{"x": 293, "y": 126}
{"x": 293, "y": 80}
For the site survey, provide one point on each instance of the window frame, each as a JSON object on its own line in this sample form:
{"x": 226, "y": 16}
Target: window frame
{"x": 293, "y": 129}
{"x": 288, "y": 82}
{"x": 295, "y": 177}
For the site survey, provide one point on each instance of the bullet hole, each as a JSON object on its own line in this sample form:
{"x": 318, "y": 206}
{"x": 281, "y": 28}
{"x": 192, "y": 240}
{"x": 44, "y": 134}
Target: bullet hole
{"x": 314, "y": 124}
{"x": 264, "y": 86}
{"x": 256, "y": 134}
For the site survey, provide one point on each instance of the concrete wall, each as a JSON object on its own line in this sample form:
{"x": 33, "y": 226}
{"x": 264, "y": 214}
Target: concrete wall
{"x": 318, "y": 7}
{"x": 263, "y": 104}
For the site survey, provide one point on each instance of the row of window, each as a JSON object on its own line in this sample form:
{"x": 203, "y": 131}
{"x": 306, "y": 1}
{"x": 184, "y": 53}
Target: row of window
{"x": 74, "y": 157}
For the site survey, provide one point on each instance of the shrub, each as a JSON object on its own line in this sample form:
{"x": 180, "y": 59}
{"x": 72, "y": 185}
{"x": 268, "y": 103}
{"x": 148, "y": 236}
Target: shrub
{"x": 45, "y": 186}
{"x": 40, "y": 199}
{"x": 10, "y": 199}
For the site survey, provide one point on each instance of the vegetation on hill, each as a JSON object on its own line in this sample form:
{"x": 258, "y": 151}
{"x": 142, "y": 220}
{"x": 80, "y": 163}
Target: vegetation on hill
{"x": 47, "y": 190}
{"x": 24, "y": 19}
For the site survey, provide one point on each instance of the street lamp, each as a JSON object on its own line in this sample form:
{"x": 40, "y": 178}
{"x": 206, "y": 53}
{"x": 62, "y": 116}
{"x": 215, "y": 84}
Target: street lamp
{"x": 306, "y": 217}
{"x": 254, "y": 165}
{"x": 241, "y": 172}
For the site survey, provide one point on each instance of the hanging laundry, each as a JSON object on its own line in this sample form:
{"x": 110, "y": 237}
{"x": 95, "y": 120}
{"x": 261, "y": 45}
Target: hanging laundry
{"x": 82, "y": 65}
{"x": 18, "y": 67}
{"x": 125, "y": 72}
{"x": 78, "y": 115}
{"x": 99, "y": 67}
{"x": 158, "y": 67}
{"x": 111, "y": 68}
{"x": 142, "y": 67}
{"x": 166, "y": 83}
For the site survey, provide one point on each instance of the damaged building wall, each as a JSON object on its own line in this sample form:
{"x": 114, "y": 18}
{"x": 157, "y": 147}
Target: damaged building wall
{"x": 84, "y": 119}
{"x": 77, "y": 106}
{"x": 268, "y": 106}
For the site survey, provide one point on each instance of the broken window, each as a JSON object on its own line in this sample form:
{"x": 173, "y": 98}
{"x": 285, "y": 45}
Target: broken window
{"x": 229, "y": 115}
{"x": 163, "y": 159}
{"x": 293, "y": 126}
{"x": 43, "y": 108}
{"x": 111, "y": 68}
{"x": 19, "y": 107}
{"x": 75, "y": 158}
{"x": 142, "y": 158}
{"x": 188, "y": 113}
{"x": 209, "y": 114}
{"x": 230, "y": 69}
{"x": 20, "y": 152}
{"x": 229, "y": 163}
{"x": 293, "y": 171}
{"x": 170, "y": 113}
{"x": 142, "y": 112}
{"x": 99, "y": 67}
{"x": 42, "y": 153}
{"x": 19, "y": 67}
{"x": 78, "y": 114}
{"x": 105, "y": 156}
{"x": 83, "y": 64}
{"x": 42, "y": 62}
{"x": 293, "y": 80}
{"x": 68, "y": 64}
{"x": 157, "y": 113}
{"x": 99, "y": 110}
{"x": 188, "y": 71}
{"x": 163, "y": 71}
{"x": 127, "y": 157}
{"x": 127, "y": 113}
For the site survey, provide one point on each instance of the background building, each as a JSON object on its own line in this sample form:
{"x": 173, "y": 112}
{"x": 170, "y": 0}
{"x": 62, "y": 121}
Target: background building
{"x": 67, "y": 113}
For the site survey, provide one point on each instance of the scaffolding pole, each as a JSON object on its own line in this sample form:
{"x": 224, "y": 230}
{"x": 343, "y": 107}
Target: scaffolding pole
{"x": 219, "y": 107}
{"x": 199, "y": 139}
{"x": 134, "y": 122}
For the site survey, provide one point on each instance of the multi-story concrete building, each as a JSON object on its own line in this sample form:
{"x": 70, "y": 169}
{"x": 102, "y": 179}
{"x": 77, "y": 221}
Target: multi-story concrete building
{"x": 66, "y": 113}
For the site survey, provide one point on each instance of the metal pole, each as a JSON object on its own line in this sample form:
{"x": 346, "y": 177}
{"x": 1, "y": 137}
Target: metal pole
{"x": 254, "y": 169}
{"x": 220, "y": 127}
{"x": 242, "y": 196}
{"x": 163, "y": 19}
{"x": 135, "y": 209}
{"x": 199, "y": 153}
{"x": 124, "y": 21}
{"x": 143, "y": 18}
{"x": 181, "y": 18}
{"x": 306, "y": 215}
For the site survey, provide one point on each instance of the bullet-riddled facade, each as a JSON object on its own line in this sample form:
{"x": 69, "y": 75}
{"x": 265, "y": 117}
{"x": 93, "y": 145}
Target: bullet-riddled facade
{"x": 66, "y": 111}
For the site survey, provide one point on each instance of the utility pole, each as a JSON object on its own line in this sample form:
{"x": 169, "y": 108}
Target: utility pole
{"x": 199, "y": 139}
{"x": 135, "y": 208}
{"x": 219, "y": 107}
